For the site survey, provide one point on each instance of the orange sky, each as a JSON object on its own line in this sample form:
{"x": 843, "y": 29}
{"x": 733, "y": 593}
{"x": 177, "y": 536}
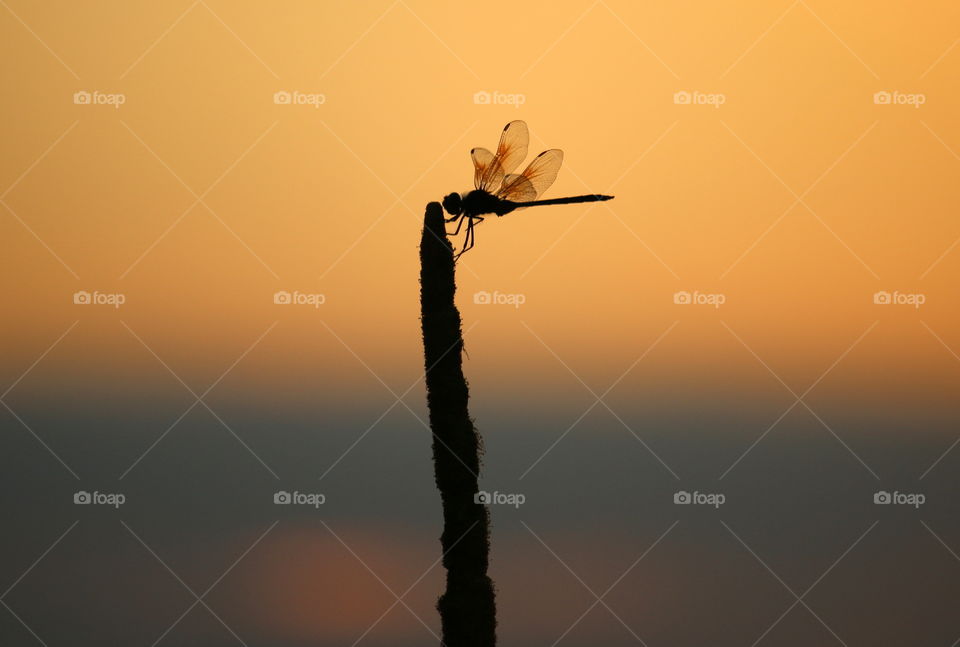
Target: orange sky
{"x": 797, "y": 199}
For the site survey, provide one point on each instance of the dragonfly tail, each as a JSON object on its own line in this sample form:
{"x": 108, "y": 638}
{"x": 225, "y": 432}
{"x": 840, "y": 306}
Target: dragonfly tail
{"x": 593, "y": 197}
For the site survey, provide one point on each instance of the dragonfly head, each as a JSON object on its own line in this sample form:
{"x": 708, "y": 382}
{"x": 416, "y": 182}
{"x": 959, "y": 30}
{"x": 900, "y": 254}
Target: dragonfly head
{"x": 453, "y": 204}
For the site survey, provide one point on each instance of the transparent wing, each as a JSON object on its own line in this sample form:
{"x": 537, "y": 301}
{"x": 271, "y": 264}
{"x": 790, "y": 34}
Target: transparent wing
{"x": 511, "y": 151}
{"x": 482, "y": 159}
{"x": 517, "y": 188}
{"x": 538, "y": 176}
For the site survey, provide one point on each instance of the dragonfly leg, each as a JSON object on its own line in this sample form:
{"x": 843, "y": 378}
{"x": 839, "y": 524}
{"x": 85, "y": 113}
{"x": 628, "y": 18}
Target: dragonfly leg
{"x": 473, "y": 232}
{"x": 459, "y": 224}
{"x": 471, "y": 237}
{"x": 468, "y": 239}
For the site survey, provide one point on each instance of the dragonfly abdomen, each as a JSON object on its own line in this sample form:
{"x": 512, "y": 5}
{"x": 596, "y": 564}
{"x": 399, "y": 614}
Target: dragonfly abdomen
{"x": 593, "y": 197}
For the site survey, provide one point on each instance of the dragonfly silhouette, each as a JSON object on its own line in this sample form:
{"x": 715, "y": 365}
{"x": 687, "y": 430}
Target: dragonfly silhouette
{"x": 497, "y": 189}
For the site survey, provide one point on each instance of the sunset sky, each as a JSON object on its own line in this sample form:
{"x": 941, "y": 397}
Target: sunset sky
{"x": 792, "y": 165}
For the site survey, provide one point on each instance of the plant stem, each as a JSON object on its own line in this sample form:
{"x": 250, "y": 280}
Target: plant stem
{"x": 467, "y": 608}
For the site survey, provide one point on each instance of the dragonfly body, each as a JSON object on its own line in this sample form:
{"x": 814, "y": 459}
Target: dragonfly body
{"x": 498, "y": 190}
{"x": 480, "y": 203}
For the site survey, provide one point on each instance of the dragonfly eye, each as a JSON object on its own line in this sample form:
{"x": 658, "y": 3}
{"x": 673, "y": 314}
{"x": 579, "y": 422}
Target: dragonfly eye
{"x": 453, "y": 204}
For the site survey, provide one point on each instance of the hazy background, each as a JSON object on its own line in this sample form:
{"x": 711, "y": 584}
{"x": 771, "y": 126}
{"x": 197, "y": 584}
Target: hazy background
{"x": 200, "y": 197}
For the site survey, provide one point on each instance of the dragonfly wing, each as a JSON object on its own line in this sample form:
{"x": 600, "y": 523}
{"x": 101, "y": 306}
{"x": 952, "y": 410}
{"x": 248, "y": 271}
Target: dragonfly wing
{"x": 511, "y": 151}
{"x": 517, "y": 188}
{"x": 539, "y": 175}
{"x": 482, "y": 161}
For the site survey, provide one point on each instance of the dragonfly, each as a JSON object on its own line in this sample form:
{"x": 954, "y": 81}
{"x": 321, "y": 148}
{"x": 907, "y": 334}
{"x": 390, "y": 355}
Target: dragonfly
{"x": 499, "y": 190}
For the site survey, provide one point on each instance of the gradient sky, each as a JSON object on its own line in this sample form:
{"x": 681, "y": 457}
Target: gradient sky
{"x": 796, "y": 200}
